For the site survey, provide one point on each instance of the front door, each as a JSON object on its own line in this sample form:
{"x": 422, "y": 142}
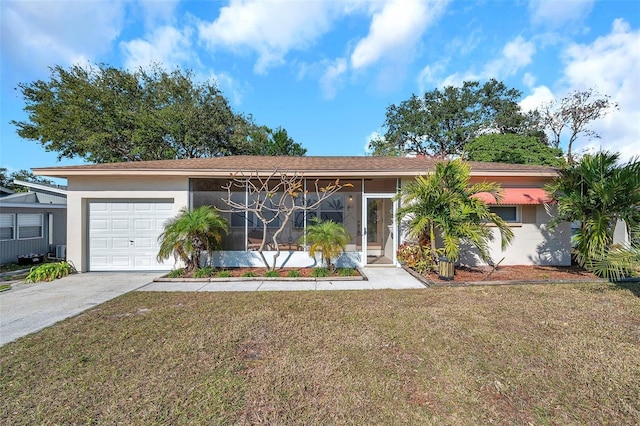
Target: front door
{"x": 379, "y": 243}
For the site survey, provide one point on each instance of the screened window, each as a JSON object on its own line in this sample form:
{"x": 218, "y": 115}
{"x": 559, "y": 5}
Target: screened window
{"x": 29, "y": 226}
{"x": 507, "y": 213}
{"x": 7, "y": 226}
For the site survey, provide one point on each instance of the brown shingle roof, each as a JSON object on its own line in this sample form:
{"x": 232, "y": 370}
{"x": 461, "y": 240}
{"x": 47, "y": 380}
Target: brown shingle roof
{"x": 309, "y": 166}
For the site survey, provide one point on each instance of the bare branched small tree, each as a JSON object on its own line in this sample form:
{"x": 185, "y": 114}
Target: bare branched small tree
{"x": 276, "y": 196}
{"x": 574, "y": 112}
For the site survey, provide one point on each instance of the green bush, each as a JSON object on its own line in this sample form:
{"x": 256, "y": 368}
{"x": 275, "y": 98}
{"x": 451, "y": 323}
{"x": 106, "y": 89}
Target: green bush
{"x": 223, "y": 274}
{"x": 249, "y": 274}
{"x": 346, "y": 272}
{"x": 176, "y": 273}
{"x": 320, "y": 272}
{"x": 49, "y": 272}
{"x": 294, "y": 273}
{"x": 204, "y": 272}
{"x": 271, "y": 273}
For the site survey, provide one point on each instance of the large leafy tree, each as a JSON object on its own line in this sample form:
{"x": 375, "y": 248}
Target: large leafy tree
{"x": 190, "y": 234}
{"x": 597, "y": 192}
{"x": 442, "y": 122}
{"x": 6, "y": 179}
{"x": 105, "y": 114}
{"x": 514, "y": 149}
{"x": 443, "y": 203}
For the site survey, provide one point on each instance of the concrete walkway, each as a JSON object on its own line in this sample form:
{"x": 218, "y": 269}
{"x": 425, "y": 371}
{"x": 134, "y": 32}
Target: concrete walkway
{"x": 378, "y": 278}
{"x": 28, "y": 308}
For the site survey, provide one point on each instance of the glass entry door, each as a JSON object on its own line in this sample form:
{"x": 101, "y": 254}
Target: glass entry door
{"x": 379, "y": 231}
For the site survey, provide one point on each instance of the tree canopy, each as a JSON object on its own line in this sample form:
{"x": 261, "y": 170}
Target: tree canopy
{"x": 6, "y": 179}
{"x": 105, "y": 114}
{"x": 513, "y": 149}
{"x": 442, "y": 122}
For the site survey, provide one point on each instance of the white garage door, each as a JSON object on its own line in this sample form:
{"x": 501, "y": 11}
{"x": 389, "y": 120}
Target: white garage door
{"x": 123, "y": 236}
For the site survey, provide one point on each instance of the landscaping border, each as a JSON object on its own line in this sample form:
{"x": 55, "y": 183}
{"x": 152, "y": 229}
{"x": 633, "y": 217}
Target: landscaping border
{"x": 165, "y": 279}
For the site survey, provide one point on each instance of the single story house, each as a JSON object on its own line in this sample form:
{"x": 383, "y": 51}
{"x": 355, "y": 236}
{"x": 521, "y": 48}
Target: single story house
{"x": 117, "y": 211}
{"x": 33, "y": 222}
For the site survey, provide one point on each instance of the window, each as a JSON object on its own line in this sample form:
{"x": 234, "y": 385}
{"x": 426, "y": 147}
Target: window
{"x": 7, "y": 226}
{"x": 29, "y": 226}
{"x": 507, "y": 213}
{"x": 333, "y": 209}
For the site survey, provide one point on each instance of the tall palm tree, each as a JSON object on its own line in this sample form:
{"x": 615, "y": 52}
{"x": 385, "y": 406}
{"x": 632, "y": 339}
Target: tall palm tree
{"x": 190, "y": 233}
{"x": 443, "y": 203}
{"x": 329, "y": 237}
{"x": 597, "y": 192}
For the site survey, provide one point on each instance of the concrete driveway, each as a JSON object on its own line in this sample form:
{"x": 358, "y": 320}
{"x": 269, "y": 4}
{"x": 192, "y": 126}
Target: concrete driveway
{"x": 27, "y": 308}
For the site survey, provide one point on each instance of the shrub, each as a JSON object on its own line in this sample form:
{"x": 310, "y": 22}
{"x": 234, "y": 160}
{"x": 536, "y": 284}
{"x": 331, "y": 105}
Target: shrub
{"x": 294, "y": 273}
{"x": 49, "y": 272}
{"x": 346, "y": 272}
{"x": 223, "y": 274}
{"x": 320, "y": 272}
{"x": 203, "y": 272}
{"x": 249, "y": 274}
{"x": 416, "y": 256}
{"x": 272, "y": 273}
{"x": 176, "y": 273}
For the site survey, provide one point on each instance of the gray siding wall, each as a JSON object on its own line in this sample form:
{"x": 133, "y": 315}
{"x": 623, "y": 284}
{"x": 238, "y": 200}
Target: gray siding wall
{"x": 11, "y": 249}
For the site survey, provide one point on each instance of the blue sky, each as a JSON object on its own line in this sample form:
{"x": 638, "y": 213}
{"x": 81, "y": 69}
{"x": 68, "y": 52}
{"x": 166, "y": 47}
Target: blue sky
{"x": 327, "y": 70}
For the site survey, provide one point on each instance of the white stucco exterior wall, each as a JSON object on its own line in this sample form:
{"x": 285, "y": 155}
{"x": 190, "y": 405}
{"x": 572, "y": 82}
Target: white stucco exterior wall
{"x": 84, "y": 189}
{"x": 533, "y": 242}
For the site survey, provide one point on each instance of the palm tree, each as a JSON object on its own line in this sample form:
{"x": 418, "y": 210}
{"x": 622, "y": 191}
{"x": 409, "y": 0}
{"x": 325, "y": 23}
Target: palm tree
{"x": 329, "y": 237}
{"x": 597, "y": 192}
{"x": 443, "y": 203}
{"x": 190, "y": 233}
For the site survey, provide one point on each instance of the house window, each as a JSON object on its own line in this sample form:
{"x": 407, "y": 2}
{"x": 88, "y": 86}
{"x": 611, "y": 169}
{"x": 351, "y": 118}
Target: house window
{"x": 29, "y": 226}
{"x": 333, "y": 209}
{"x": 7, "y": 226}
{"x": 509, "y": 214}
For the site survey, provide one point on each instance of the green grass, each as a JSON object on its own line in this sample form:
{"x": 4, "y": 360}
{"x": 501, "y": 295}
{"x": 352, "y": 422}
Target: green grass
{"x": 249, "y": 274}
{"x": 223, "y": 274}
{"x": 294, "y": 273}
{"x": 5, "y": 287}
{"x": 530, "y": 354}
{"x": 271, "y": 273}
{"x": 10, "y": 267}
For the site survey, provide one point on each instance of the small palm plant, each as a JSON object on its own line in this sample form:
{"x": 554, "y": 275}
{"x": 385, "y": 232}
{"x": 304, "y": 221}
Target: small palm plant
{"x": 190, "y": 234}
{"x": 328, "y": 237}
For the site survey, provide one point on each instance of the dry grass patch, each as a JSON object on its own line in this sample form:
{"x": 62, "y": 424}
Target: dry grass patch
{"x": 563, "y": 354}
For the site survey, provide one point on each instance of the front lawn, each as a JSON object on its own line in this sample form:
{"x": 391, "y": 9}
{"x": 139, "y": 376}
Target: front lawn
{"x": 531, "y": 354}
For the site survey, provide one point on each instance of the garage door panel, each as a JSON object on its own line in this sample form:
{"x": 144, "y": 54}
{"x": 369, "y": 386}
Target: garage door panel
{"x": 124, "y": 235}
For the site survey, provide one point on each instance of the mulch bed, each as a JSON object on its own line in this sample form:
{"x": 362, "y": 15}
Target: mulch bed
{"x": 282, "y": 272}
{"x": 514, "y": 273}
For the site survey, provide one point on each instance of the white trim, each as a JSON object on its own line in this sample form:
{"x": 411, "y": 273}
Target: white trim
{"x": 41, "y": 187}
{"x": 32, "y": 205}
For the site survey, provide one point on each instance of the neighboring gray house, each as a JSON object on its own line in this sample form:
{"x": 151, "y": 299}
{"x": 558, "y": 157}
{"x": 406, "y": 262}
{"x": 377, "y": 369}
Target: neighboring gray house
{"x": 33, "y": 222}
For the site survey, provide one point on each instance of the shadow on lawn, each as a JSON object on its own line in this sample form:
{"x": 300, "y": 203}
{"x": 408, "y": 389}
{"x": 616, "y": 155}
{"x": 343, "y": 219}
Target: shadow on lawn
{"x": 633, "y": 285}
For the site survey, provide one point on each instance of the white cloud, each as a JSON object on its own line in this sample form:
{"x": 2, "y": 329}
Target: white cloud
{"x": 158, "y": 11}
{"x": 540, "y": 96}
{"x": 556, "y": 13}
{"x": 165, "y": 45}
{"x": 397, "y": 27}
{"x": 515, "y": 55}
{"x": 333, "y": 77}
{"x": 40, "y": 34}
{"x": 611, "y": 66}
{"x": 270, "y": 29}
